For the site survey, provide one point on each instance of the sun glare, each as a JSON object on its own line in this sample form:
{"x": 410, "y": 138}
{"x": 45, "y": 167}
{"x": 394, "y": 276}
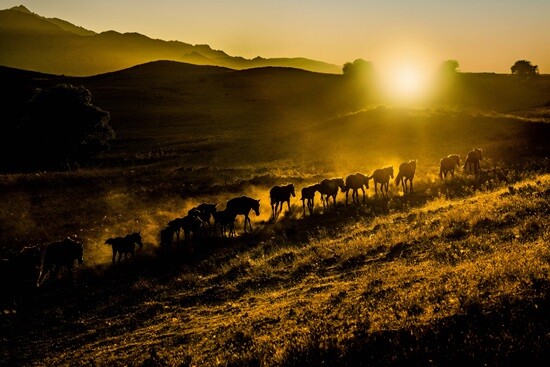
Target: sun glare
{"x": 407, "y": 70}
{"x": 406, "y": 83}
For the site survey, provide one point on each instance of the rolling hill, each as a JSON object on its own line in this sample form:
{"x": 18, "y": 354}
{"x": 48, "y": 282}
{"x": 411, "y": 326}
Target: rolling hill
{"x": 51, "y": 45}
{"x": 456, "y": 271}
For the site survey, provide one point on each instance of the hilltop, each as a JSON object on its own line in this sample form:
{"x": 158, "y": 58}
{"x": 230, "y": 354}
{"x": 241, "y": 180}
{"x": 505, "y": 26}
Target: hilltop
{"x": 52, "y": 45}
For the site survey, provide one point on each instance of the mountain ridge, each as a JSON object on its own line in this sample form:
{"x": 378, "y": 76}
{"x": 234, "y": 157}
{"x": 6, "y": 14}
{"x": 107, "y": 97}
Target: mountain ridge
{"x": 56, "y": 46}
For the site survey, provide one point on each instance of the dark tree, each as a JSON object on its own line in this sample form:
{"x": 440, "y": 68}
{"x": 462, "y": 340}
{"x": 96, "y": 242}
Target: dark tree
{"x": 61, "y": 129}
{"x": 449, "y": 67}
{"x": 358, "y": 68}
{"x": 524, "y": 68}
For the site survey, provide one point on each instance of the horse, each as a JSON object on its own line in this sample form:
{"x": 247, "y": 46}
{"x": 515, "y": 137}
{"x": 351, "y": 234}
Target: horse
{"x": 226, "y": 221}
{"x": 308, "y": 193}
{"x": 189, "y": 223}
{"x": 204, "y": 211}
{"x": 355, "y": 182}
{"x": 472, "y": 160}
{"x": 124, "y": 245}
{"x": 60, "y": 254}
{"x": 406, "y": 173}
{"x": 448, "y": 165}
{"x": 279, "y": 195}
{"x": 241, "y": 206}
{"x": 382, "y": 176}
{"x": 329, "y": 188}
{"x": 167, "y": 238}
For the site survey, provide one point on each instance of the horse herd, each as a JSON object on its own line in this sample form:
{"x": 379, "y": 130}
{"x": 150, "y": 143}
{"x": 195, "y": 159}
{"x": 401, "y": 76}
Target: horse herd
{"x": 47, "y": 260}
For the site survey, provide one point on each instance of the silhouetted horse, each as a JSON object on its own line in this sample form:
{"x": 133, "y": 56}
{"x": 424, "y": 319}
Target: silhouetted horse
{"x": 355, "y": 182}
{"x": 279, "y": 195}
{"x": 329, "y": 188}
{"x": 382, "y": 176}
{"x": 226, "y": 221}
{"x": 60, "y": 254}
{"x": 167, "y": 238}
{"x": 189, "y": 224}
{"x": 308, "y": 193}
{"x": 204, "y": 211}
{"x": 406, "y": 173}
{"x": 472, "y": 160}
{"x": 448, "y": 165}
{"x": 124, "y": 245}
{"x": 242, "y": 206}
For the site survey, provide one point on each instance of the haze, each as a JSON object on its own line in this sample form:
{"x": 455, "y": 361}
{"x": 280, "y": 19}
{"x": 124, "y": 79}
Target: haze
{"x": 483, "y": 35}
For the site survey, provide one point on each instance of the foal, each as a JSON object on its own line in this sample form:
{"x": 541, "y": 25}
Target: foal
{"x": 226, "y": 221}
{"x": 308, "y": 194}
{"x": 124, "y": 245}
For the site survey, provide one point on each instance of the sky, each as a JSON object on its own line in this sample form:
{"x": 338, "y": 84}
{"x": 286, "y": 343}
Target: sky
{"x": 482, "y": 35}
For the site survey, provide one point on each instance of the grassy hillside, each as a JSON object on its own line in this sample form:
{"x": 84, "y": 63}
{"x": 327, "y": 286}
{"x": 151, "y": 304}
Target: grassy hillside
{"x": 453, "y": 280}
{"x": 457, "y": 271}
{"x": 188, "y": 133}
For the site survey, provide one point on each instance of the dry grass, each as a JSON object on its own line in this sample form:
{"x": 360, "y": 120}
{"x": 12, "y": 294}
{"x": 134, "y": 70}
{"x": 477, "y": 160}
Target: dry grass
{"x": 455, "y": 279}
{"x": 457, "y": 272}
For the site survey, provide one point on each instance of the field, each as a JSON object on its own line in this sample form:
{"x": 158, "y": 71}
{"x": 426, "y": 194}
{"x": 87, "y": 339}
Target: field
{"x": 456, "y": 272}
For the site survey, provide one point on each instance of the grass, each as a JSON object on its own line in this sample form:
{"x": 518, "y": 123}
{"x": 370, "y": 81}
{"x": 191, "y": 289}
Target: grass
{"x": 455, "y": 273}
{"x": 461, "y": 279}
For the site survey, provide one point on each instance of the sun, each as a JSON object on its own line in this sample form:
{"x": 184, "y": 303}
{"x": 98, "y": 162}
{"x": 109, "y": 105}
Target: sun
{"x": 406, "y": 82}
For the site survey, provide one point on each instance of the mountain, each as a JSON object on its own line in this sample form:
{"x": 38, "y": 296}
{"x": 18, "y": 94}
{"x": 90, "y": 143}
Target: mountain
{"x": 51, "y": 45}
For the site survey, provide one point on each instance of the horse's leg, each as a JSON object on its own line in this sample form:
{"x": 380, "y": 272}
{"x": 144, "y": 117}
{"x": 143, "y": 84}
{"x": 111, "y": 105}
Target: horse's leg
{"x": 114, "y": 255}
{"x": 53, "y": 272}
{"x": 274, "y": 210}
{"x": 288, "y": 204}
{"x": 347, "y": 197}
{"x": 71, "y": 275}
{"x": 364, "y": 197}
{"x": 41, "y": 276}
{"x": 249, "y": 222}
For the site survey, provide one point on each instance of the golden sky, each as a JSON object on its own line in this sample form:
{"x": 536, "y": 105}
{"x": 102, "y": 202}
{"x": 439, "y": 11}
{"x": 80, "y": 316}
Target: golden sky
{"x": 483, "y": 35}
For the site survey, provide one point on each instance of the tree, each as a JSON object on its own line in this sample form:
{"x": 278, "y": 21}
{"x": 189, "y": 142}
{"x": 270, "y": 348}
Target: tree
{"x": 449, "y": 67}
{"x": 359, "y": 68}
{"x": 524, "y": 68}
{"x": 62, "y": 128}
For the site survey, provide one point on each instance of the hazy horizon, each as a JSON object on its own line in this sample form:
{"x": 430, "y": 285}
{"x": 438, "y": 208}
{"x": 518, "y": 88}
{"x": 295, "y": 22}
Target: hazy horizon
{"x": 483, "y": 36}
